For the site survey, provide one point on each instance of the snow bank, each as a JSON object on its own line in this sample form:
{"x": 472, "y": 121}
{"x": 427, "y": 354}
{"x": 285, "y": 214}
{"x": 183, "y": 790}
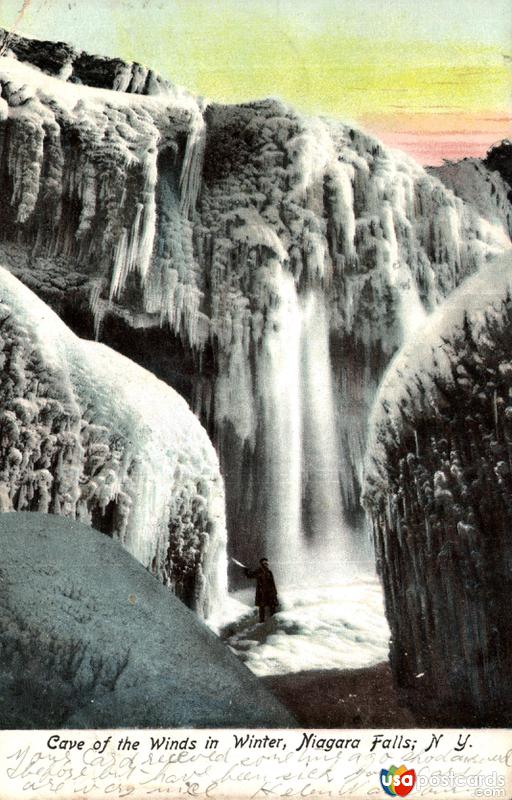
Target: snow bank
{"x": 88, "y": 639}
{"x": 335, "y": 627}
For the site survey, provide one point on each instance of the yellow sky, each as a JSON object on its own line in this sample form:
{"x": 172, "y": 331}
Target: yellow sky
{"x": 413, "y": 71}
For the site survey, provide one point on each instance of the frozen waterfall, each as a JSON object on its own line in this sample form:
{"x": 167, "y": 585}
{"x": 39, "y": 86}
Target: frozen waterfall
{"x": 266, "y": 265}
{"x": 303, "y": 519}
{"x": 326, "y": 534}
{"x": 280, "y": 400}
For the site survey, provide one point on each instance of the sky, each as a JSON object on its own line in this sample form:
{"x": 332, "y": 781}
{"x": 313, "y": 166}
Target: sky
{"x": 432, "y": 77}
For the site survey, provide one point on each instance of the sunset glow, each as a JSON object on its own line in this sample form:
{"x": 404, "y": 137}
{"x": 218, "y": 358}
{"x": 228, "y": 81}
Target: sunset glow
{"x": 425, "y": 77}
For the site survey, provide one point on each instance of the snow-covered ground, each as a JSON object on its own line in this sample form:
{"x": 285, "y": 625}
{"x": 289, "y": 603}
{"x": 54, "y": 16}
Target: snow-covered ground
{"x": 326, "y": 627}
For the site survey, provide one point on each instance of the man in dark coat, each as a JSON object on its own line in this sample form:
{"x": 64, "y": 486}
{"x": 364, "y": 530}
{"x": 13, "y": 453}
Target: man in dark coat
{"x": 266, "y": 592}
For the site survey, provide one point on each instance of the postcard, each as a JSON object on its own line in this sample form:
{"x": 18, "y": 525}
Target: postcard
{"x": 256, "y": 398}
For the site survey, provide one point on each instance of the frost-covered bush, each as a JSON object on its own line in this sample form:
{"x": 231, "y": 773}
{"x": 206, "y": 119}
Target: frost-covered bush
{"x": 439, "y": 492}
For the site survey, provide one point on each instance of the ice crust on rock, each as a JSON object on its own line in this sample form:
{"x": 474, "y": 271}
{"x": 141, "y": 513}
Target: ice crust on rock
{"x": 58, "y": 59}
{"x": 93, "y": 152}
{"x": 85, "y": 433}
{"x": 226, "y": 226}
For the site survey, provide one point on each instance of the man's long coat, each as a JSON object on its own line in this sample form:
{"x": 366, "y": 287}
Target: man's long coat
{"x": 266, "y": 592}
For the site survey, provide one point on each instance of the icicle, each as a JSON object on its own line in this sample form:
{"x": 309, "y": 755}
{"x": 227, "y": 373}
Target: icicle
{"x": 190, "y": 179}
{"x": 66, "y": 71}
{"x": 144, "y": 250}
{"x": 316, "y": 257}
{"x": 138, "y": 80}
{"x": 98, "y": 306}
{"x": 135, "y": 247}
{"x": 342, "y": 175}
{"x": 120, "y": 269}
{"x": 123, "y": 78}
{"x": 25, "y": 162}
{"x": 88, "y": 196}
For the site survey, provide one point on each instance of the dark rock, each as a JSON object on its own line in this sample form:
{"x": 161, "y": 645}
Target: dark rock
{"x": 92, "y": 70}
{"x": 499, "y": 158}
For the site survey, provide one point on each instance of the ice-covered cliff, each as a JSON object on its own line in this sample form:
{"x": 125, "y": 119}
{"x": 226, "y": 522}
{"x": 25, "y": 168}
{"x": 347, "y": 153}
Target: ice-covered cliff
{"x": 266, "y": 265}
{"x": 482, "y": 183}
{"x": 439, "y": 491}
{"x": 87, "y": 434}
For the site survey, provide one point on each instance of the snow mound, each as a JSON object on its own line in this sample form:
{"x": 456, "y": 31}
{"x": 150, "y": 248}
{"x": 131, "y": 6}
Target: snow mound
{"x": 88, "y": 639}
{"x": 88, "y": 434}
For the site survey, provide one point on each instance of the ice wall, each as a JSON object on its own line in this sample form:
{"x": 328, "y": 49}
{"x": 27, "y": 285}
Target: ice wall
{"x": 439, "y": 492}
{"x": 87, "y": 434}
{"x": 295, "y": 255}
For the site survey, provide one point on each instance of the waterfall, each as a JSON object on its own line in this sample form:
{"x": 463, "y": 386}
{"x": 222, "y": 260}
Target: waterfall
{"x": 326, "y": 534}
{"x": 287, "y": 258}
{"x": 303, "y": 520}
{"x": 279, "y": 389}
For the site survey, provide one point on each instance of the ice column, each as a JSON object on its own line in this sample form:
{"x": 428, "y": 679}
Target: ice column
{"x": 190, "y": 179}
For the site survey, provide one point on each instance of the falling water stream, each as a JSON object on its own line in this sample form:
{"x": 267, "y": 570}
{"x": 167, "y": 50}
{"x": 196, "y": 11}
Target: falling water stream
{"x": 305, "y": 530}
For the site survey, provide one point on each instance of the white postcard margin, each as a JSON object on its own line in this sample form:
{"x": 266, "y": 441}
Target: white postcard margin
{"x": 256, "y": 764}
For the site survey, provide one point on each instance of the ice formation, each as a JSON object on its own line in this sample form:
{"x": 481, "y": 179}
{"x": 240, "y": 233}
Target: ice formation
{"x": 439, "y": 492}
{"x": 285, "y": 260}
{"x": 475, "y": 181}
{"x": 85, "y": 433}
